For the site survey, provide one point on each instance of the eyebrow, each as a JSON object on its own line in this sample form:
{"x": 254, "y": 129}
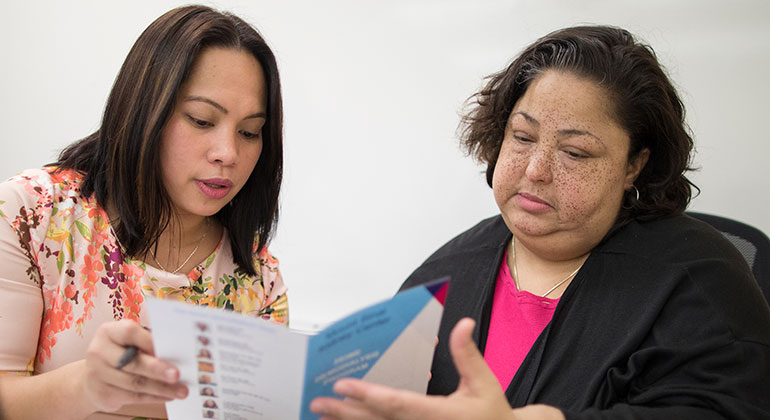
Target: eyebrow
{"x": 528, "y": 117}
{"x": 567, "y": 131}
{"x": 220, "y": 107}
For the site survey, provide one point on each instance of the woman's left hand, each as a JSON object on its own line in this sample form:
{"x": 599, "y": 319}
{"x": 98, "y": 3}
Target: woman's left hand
{"x": 478, "y": 395}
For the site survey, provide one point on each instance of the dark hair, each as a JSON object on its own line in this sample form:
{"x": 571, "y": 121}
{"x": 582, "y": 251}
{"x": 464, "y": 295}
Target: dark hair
{"x": 645, "y": 104}
{"x": 121, "y": 160}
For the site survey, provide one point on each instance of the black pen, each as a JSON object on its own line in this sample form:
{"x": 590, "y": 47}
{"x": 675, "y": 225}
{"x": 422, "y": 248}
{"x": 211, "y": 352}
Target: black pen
{"x": 128, "y": 356}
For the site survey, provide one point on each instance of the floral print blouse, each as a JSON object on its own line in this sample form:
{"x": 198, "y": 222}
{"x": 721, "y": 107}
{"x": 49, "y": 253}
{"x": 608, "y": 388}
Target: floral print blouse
{"x": 62, "y": 274}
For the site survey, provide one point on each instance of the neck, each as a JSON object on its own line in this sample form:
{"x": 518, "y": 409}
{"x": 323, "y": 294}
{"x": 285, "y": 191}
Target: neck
{"x": 184, "y": 230}
{"x": 182, "y": 244}
{"x": 538, "y": 275}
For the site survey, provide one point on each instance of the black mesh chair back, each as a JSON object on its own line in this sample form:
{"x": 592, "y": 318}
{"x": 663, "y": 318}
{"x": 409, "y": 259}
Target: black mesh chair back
{"x": 750, "y": 241}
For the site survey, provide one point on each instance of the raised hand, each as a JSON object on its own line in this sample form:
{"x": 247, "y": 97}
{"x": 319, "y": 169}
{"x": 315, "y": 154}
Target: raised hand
{"x": 478, "y": 395}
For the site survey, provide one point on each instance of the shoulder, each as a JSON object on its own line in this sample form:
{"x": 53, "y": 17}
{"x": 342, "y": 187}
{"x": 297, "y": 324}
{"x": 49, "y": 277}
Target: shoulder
{"x": 268, "y": 273}
{"x": 28, "y": 183}
{"x": 263, "y": 258}
{"x": 678, "y": 239}
{"x": 276, "y": 307}
{"x": 683, "y": 256}
{"x": 681, "y": 243}
{"x": 473, "y": 250}
{"x": 41, "y": 185}
{"x": 27, "y": 197}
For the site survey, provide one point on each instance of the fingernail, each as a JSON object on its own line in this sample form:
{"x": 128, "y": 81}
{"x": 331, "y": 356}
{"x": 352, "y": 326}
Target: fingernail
{"x": 316, "y": 407}
{"x": 181, "y": 392}
{"x": 342, "y": 388}
{"x": 171, "y": 375}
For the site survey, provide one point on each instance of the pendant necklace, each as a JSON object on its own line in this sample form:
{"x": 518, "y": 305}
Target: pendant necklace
{"x": 516, "y": 275}
{"x": 200, "y": 241}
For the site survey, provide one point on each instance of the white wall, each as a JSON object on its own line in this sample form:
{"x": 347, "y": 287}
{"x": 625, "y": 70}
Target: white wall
{"x": 374, "y": 178}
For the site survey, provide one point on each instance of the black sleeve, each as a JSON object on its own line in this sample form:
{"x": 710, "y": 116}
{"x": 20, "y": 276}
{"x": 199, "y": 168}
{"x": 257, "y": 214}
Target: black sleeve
{"x": 723, "y": 383}
{"x": 705, "y": 355}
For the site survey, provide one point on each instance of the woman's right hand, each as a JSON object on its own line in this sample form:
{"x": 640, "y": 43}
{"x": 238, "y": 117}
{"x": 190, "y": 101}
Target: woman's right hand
{"x": 78, "y": 389}
{"x": 478, "y": 395}
{"x": 144, "y": 380}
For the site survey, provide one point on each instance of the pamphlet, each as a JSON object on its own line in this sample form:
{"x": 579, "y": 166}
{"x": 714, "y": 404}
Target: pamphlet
{"x": 240, "y": 367}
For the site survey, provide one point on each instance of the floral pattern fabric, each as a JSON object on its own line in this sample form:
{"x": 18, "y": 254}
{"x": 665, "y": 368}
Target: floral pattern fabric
{"x": 63, "y": 273}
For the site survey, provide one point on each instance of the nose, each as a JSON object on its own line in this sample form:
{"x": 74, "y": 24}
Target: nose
{"x": 223, "y": 148}
{"x": 540, "y": 166}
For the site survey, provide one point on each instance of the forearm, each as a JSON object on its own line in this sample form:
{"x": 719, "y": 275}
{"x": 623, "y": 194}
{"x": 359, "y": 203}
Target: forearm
{"x": 629, "y": 412}
{"x": 57, "y": 394}
{"x": 538, "y": 412}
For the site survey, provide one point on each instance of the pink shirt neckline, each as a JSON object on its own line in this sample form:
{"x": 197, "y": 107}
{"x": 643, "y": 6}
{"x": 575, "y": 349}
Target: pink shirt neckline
{"x": 517, "y": 319}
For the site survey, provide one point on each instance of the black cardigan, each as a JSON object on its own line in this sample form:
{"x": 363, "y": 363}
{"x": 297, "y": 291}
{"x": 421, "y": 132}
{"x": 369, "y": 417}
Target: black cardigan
{"x": 663, "y": 321}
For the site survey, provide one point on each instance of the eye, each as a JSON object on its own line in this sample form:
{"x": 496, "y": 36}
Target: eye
{"x": 250, "y": 135}
{"x": 522, "y": 139}
{"x": 574, "y": 154}
{"x": 199, "y": 123}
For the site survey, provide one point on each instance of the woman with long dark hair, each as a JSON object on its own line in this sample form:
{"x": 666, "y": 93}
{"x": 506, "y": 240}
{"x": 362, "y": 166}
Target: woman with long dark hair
{"x": 174, "y": 196}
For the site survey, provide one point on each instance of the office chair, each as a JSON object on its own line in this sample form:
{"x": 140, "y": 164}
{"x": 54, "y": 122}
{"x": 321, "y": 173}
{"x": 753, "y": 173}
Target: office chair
{"x": 750, "y": 241}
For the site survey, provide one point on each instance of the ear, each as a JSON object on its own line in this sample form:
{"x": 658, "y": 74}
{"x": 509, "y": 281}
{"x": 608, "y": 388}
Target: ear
{"x": 635, "y": 167}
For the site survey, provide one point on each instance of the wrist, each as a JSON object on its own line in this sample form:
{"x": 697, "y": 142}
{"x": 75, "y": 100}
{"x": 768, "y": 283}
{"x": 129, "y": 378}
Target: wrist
{"x": 55, "y": 394}
{"x": 73, "y": 393}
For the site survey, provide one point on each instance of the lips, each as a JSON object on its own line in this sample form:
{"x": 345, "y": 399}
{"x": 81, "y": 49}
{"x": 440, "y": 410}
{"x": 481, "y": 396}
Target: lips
{"x": 532, "y": 203}
{"x": 215, "y": 188}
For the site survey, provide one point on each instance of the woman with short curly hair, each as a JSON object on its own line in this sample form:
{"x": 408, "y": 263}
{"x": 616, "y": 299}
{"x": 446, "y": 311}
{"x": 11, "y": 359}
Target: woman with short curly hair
{"x": 591, "y": 295}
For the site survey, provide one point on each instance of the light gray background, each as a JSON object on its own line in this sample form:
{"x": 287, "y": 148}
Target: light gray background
{"x": 374, "y": 179}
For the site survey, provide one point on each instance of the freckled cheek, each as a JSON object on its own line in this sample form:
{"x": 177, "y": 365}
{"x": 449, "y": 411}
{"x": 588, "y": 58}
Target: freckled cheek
{"x": 507, "y": 174}
{"x": 587, "y": 192}
{"x": 578, "y": 191}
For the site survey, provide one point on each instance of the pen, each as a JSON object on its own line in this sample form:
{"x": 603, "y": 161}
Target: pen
{"x": 127, "y": 357}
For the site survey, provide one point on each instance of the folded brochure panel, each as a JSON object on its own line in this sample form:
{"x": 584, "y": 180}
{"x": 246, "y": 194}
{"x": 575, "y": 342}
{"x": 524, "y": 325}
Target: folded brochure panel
{"x": 243, "y": 367}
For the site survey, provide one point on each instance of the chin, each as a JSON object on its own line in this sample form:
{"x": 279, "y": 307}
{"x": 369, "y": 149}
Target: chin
{"x": 528, "y": 224}
{"x": 204, "y": 212}
{"x": 212, "y": 212}
{"x": 532, "y": 231}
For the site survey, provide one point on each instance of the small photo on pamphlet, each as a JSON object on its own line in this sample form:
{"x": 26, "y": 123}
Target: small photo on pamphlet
{"x": 210, "y": 414}
{"x": 208, "y": 391}
{"x": 204, "y": 353}
{"x": 205, "y": 367}
{"x": 207, "y": 379}
{"x": 204, "y": 340}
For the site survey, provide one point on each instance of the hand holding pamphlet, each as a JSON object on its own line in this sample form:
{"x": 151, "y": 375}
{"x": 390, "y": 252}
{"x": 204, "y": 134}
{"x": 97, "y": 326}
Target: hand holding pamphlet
{"x": 239, "y": 367}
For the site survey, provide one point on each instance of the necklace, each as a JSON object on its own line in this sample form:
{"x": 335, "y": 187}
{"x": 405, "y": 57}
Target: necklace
{"x": 516, "y": 275}
{"x": 200, "y": 241}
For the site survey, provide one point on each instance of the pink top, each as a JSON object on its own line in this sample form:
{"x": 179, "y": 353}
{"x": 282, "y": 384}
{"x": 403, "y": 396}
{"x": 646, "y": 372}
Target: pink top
{"x": 517, "y": 320}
